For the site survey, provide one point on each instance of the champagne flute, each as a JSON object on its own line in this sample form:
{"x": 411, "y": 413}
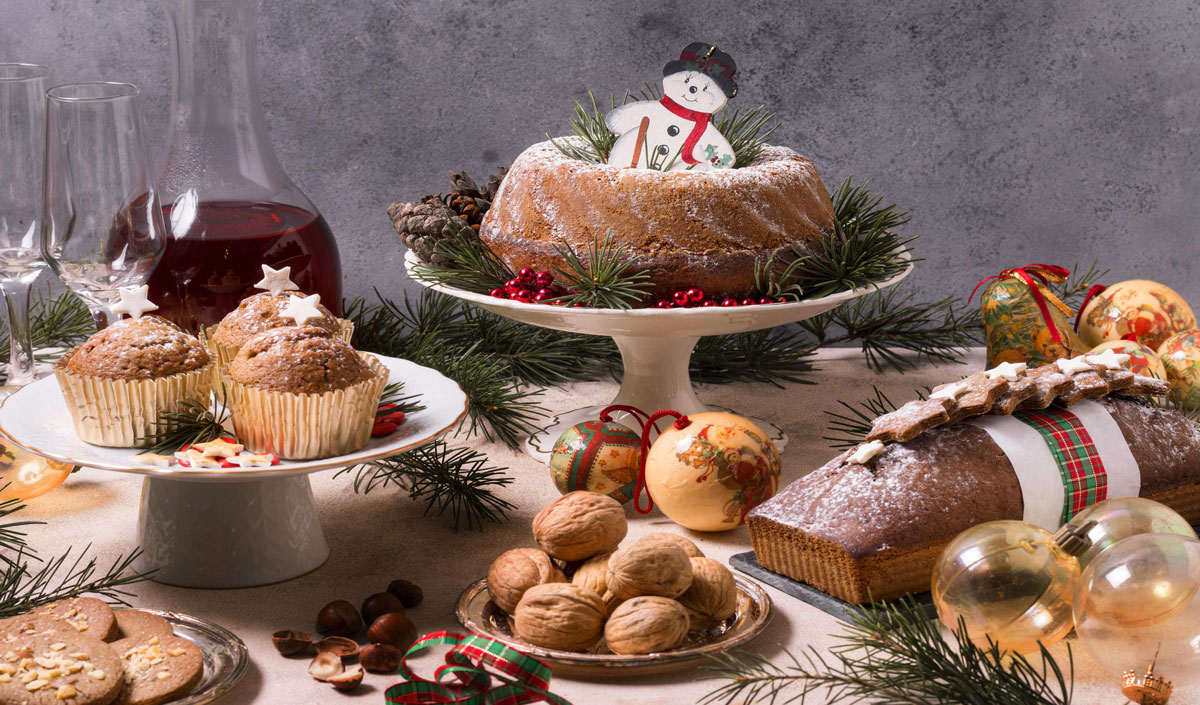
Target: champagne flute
{"x": 103, "y": 229}
{"x": 22, "y": 145}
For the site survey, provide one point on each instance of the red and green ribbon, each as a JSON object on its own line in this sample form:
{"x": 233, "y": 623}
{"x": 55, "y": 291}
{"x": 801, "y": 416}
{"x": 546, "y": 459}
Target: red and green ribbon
{"x": 466, "y": 678}
{"x": 1085, "y": 480}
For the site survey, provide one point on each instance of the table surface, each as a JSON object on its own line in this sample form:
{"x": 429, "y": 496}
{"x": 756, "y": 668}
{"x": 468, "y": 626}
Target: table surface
{"x": 382, "y": 536}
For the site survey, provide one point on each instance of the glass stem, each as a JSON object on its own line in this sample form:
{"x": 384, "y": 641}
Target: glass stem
{"x": 20, "y": 338}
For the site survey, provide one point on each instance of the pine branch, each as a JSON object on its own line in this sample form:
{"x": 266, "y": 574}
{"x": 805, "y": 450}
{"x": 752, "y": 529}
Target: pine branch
{"x": 1072, "y": 291}
{"x": 498, "y": 406}
{"x": 473, "y": 266}
{"x": 893, "y": 654}
{"x": 454, "y": 480}
{"x": 745, "y": 132}
{"x": 195, "y": 422}
{"x": 850, "y": 426}
{"x": 12, "y": 536}
{"x": 63, "y": 577}
{"x": 773, "y": 355}
{"x": 588, "y": 125}
{"x": 395, "y": 399}
{"x": 604, "y": 280}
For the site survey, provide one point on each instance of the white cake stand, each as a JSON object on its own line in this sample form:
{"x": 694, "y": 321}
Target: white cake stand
{"x": 656, "y": 345}
{"x": 227, "y": 527}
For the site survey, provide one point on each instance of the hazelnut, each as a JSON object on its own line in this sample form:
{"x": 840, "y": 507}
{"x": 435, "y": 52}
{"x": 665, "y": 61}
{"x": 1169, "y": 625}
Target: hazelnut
{"x": 325, "y": 665}
{"x": 516, "y": 571}
{"x": 345, "y": 647}
{"x": 644, "y": 625}
{"x": 649, "y": 568}
{"x": 689, "y": 547}
{"x": 409, "y": 593}
{"x": 379, "y": 604}
{"x": 339, "y": 618}
{"x": 560, "y": 616}
{"x": 592, "y": 574}
{"x": 290, "y": 642}
{"x": 380, "y": 658}
{"x": 348, "y": 679}
{"x": 394, "y": 629}
{"x": 712, "y": 596}
{"x": 580, "y": 525}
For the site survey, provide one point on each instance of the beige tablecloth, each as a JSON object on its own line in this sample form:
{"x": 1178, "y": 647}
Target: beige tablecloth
{"x": 382, "y": 536}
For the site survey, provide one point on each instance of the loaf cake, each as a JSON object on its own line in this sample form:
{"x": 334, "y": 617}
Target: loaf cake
{"x": 1010, "y": 443}
{"x": 705, "y": 230}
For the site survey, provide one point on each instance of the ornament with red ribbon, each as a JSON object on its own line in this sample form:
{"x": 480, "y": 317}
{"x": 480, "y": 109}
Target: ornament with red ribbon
{"x": 1023, "y": 320}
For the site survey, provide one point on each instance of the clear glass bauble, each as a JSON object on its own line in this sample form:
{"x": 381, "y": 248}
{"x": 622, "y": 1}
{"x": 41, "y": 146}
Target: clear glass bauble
{"x": 1118, "y": 519}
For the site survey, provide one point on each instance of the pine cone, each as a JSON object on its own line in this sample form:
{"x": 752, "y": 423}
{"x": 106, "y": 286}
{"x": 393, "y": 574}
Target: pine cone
{"x": 422, "y": 223}
{"x": 468, "y": 200}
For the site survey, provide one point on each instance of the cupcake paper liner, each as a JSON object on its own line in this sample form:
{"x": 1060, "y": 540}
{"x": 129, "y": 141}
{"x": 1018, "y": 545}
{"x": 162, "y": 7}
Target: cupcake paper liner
{"x": 307, "y": 426}
{"x": 118, "y": 412}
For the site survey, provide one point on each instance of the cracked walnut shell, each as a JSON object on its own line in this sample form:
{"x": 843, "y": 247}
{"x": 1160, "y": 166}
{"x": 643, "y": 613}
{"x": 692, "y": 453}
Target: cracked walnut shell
{"x": 644, "y": 625}
{"x": 712, "y": 596}
{"x": 649, "y": 568}
{"x": 560, "y": 616}
{"x": 516, "y": 571}
{"x": 580, "y": 525}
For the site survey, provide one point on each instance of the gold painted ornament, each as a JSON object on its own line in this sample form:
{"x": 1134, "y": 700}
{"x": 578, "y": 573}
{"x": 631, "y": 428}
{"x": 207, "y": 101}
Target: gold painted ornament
{"x": 709, "y": 469}
{"x": 1024, "y": 321}
{"x": 1137, "y": 309}
{"x": 1180, "y": 355}
{"x": 1142, "y": 360}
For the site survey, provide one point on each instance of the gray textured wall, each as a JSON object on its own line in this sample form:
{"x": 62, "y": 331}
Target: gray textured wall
{"x": 1014, "y": 132}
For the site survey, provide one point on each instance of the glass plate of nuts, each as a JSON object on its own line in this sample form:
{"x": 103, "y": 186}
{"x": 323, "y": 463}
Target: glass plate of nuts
{"x": 478, "y": 613}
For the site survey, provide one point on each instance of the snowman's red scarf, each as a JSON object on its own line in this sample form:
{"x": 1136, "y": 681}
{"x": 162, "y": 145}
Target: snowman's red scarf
{"x": 701, "y": 124}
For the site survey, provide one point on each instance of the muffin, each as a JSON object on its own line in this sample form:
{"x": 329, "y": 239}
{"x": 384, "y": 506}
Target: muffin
{"x": 302, "y": 393}
{"x": 118, "y": 381}
{"x": 259, "y": 313}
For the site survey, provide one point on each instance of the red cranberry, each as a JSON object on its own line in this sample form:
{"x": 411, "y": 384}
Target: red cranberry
{"x": 543, "y": 295}
{"x": 544, "y": 279}
{"x": 579, "y": 304}
{"x": 526, "y": 274}
{"x": 663, "y": 304}
{"x": 708, "y": 302}
{"x": 729, "y": 302}
{"x": 498, "y": 293}
{"x": 766, "y": 300}
{"x": 524, "y": 296}
{"x": 680, "y": 298}
{"x": 749, "y": 301}
{"x": 695, "y": 296}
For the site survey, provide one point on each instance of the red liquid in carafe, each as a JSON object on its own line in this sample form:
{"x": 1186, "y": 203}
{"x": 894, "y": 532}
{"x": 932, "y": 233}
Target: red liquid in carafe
{"x": 215, "y": 257}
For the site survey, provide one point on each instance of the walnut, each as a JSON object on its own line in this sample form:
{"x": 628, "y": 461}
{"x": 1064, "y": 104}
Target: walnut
{"x": 688, "y": 546}
{"x": 593, "y": 574}
{"x": 712, "y": 596}
{"x": 580, "y": 525}
{"x": 516, "y": 571}
{"x": 644, "y": 625}
{"x": 560, "y": 616}
{"x": 649, "y": 568}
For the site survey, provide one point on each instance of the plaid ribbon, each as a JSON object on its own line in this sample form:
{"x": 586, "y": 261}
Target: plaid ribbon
{"x": 1084, "y": 479}
{"x": 474, "y": 661}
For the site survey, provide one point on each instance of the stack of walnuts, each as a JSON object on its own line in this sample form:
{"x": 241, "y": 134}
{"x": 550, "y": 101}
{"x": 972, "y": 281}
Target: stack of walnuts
{"x": 643, "y": 597}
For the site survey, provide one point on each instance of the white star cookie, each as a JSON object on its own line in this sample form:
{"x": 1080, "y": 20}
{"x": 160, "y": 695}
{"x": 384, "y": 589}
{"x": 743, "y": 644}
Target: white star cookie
{"x": 276, "y": 281}
{"x": 219, "y": 448}
{"x": 196, "y": 459}
{"x": 253, "y": 460}
{"x": 865, "y": 452}
{"x": 1110, "y": 358}
{"x": 1007, "y": 370}
{"x": 1073, "y": 366}
{"x": 134, "y": 301}
{"x": 302, "y": 309}
{"x": 154, "y": 460}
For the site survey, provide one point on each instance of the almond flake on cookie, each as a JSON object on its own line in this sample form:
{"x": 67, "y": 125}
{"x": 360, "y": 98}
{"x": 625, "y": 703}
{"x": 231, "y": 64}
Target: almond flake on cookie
{"x": 220, "y": 448}
{"x": 865, "y": 452}
{"x": 302, "y": 309}
{"x": 254, "y": 460}
{"x": 1110, "y": 359}
{"x": 1073, "y": 366}
{"x": 276, "y": 281}
{"x": 1007, "y": 370}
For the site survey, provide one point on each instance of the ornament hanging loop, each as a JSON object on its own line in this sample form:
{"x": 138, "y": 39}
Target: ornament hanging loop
{"x": 681, "y": 422}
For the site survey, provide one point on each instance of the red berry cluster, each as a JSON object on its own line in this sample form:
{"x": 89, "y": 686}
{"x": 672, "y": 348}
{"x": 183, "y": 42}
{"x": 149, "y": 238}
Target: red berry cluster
{"x": 531, "y": 287}
{"x": 695, "y": 298}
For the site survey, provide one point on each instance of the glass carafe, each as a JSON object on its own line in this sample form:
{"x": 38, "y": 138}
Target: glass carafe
{"x": 227, "y": 203}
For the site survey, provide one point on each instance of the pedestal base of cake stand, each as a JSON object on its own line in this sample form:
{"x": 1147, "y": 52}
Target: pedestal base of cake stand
{"x": 229, "y": 534}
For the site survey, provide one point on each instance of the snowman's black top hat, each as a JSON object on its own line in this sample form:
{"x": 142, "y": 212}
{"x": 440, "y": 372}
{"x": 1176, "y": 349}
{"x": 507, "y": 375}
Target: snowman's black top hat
{"x": 709, "y": 60}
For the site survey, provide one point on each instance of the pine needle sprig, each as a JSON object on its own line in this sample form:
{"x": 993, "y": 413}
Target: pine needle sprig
{"x": 848, "y": 428}
{"x": 393, "y": 394}
{"x": 454, "y": 480}
{"x": 64, "y": 577}
{"x": 498, "y": 406}
{"x": 1072, "y": 291}
{"x": 539, "y": 356}
{"x": 473, "y": 266}
{"x": 195, "y": 422}
{"x": 745, "y": 132}
{"x": 589, "y": 126}
{"x": 12, "y": 535}
{"x": 772, "y": 355}
{"x": 894, "y": 654}
{"x": 603, "y": 279}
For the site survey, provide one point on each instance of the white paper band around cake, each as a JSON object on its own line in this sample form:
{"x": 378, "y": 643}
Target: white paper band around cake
{"x": 121, "y": 413}
{"x": 1043, "y": 488}
{"x": 306, "y": 426}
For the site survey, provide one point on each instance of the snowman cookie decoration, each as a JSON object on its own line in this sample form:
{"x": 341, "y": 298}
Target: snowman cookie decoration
{"x": 676, "y": 132}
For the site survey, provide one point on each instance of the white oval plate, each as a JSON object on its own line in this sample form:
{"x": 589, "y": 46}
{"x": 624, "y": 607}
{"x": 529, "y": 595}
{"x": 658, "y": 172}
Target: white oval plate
{"x": 35, "y": 417}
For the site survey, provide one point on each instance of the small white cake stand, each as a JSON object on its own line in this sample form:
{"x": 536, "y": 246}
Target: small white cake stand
{"x": 227, "y": 527}
{"x": 656, "y": 345}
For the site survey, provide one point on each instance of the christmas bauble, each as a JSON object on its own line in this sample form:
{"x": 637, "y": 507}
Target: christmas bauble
{"x": 1142, "y": 359}
{"x": 1009, "y": 581}
{"x": 1118, "y": 519}
{"x": 707, "y": 475}
{"x": 24, "y": 475}
{"x": 1180, "y": 354}
{"x": 598, "y": 457}
{"x": 1140, "y": 597}
{"x": 1148, "y": 311}
{"x": 1015, "y": 329}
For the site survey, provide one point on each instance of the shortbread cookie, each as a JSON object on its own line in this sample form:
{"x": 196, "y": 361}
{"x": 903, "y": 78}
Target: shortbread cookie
{"x": 1050, "y": 384}
{"x": 908, "y": 421}
{"x": 133, "y": 623}
{"x": 87, "y": 614}
{"x": 1143, "y": 386}
{"x": 59, "y": 669}
{"x": 1018, "y": 391}
{"x": 158, "y": 669}
{"x": 982, "y": 390}
{"x": 26, "y": 625}
{"x": 1086, "y": 380}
